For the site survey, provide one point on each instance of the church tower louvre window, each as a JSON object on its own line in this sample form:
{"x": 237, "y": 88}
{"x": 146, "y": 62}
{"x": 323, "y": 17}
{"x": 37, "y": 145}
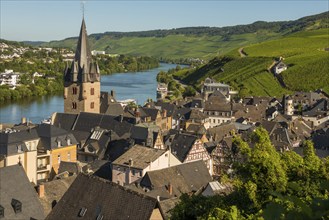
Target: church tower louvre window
{"x": 82, "y": 79}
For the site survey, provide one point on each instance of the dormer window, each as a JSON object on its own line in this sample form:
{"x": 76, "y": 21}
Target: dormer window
{"x": 2, "y": 211}
{"x": 68, "y": 140}
{"x": 19, "y": 149}
{"x": 17, "y": 205}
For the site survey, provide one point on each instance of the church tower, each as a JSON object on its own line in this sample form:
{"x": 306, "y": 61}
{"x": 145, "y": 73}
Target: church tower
{"x": 82, "y": 79}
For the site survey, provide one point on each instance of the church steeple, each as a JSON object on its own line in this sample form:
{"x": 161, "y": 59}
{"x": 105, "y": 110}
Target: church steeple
{"x": 82, "y": 79}
{"x": 83, "y": 68}
{"x": 82, "y": 53}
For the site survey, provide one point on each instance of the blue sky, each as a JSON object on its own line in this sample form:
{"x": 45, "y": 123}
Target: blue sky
{"x": 55, "y": 20}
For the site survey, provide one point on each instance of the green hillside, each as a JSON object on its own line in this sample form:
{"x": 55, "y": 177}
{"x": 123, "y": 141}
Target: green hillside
{"x": 194, "y": 42}
{"x": 172, "y": 46}
{"x": 306, "y": 56}
{"x": 304, "y": 53}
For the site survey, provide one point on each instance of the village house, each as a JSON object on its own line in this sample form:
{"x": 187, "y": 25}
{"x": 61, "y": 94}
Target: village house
{"x": 210, "y": 86}
{"x": 162, "y": 91}
{"x": 188, "y": 148}
{"x": 173, "y": 181}
{"x": 20, "y": 147}
{"x": 55, "y": 145}
{"x": 134, "y": 163}
{"x": 99, "y": 199}
{"x": 9, "y": 78}
{"x": 280, "y": 67}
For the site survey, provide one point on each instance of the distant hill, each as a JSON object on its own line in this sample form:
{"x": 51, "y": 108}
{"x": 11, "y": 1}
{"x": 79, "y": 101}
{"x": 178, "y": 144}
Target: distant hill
{"x": 196, "y": 42}
{"x": 306, "y": 54}
{"x": 33, "y": 43}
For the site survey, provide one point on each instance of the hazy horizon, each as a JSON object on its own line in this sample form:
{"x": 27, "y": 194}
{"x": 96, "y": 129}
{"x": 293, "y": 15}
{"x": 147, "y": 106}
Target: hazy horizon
{"x": 58, "y": 20}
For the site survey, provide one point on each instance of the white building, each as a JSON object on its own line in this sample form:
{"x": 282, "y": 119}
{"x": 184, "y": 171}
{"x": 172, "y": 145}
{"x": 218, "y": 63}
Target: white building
{"x": 9, "y": 78}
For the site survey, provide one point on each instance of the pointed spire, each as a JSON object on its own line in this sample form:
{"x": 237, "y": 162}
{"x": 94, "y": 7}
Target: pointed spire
{"x": 82, "y": 53}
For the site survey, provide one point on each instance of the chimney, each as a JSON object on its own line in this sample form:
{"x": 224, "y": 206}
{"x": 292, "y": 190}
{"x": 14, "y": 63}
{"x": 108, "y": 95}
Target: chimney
{"x": 23, "y": 121}
{"x": 131, "y": 162}
{"x": 41, "y": 190}
{"x": 113, "y": 93}
{"x": 170, "y": 188}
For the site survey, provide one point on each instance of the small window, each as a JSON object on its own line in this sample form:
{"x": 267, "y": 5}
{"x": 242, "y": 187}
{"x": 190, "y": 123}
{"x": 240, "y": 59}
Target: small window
{"x": 133, "y": 171}
{"x": 69, "y": 156}
{"x": 74, "y": 90}
{"x": 74, "y": 105}
{"x": 92, "y": 91}
{"x": 2, "y": 212}
{"x": 19, "y": 149}
{"x": 59, "y": 159}
{"x": 92, "y": 105}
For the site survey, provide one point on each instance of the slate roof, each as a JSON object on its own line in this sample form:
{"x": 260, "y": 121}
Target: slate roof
{"x": 65, "y": 120}
{"x": 181, "y": 112}
{"x": 170, "y": 108}
{"x": 149, "y": 112}
{"x": 71, "y": 167}
{"x": 167, "y": 205}
{"x": 116, "y": 148}
{"x": 100, "y": 168}
{"x": 88, "y": 121}
{"x": 217, "y": 105}
{"x": 139, "y": 133}
{"x": 54, "y": 190}
{"x": 101, "y": 197}
{"x": 216, "y": 188}
{"x": 219, "y": 132}
{"x": 196, "y": 129}
{"x": 181, "y": 145}
{"x": 196, "y": 103}
{"x": 9, "y": 142}
{"x": 16, "y": 185}
{"x": 184, "y": 178}
{"x": 210, "y": 146}
{"x": 140, "y": 155}
{"x": 51, "y": 135}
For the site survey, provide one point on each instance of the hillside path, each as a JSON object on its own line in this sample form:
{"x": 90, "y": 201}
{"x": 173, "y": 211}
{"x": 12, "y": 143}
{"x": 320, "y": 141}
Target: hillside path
{"x": 242, "y": 53}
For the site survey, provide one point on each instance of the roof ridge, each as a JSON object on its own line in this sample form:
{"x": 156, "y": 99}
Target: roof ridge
{"x": 118, "y": 186}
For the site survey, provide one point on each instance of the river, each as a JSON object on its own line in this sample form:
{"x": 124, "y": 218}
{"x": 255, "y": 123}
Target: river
{"x": 131, "y": 85}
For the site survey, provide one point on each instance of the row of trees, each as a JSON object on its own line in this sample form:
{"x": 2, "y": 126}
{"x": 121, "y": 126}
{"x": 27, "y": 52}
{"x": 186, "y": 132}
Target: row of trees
{"x": 267, "y": 185}
{"x": 40, "y": 87}
{"x": 123, "y": 63}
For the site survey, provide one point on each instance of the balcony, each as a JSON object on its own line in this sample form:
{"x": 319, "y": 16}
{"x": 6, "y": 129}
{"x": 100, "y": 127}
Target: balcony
{"x": 43, "y": 168}
{"x": 42, "y": 153}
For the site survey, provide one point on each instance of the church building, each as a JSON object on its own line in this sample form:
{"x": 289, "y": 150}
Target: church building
{"x": 82, "y": 79}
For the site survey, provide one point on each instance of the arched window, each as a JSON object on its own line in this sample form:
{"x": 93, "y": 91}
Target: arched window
{"x": 74, "y": 105}
{"x": 74, "y": 90}
{"x": 92, "y": 105}
{"x": 92, "y": 91}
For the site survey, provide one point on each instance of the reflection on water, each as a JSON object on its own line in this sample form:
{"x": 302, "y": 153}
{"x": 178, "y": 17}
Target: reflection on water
{"x": 139, "y": 86}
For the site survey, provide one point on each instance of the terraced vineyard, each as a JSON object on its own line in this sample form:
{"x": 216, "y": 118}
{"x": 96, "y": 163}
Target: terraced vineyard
{"x": 304, "y": 52}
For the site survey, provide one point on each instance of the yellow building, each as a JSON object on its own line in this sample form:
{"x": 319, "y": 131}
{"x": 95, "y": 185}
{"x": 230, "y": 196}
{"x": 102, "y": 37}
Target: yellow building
{"x": 56, "y": 145}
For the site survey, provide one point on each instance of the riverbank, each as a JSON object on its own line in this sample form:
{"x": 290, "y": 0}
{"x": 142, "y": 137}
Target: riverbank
{"x": 131, "y": 85}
